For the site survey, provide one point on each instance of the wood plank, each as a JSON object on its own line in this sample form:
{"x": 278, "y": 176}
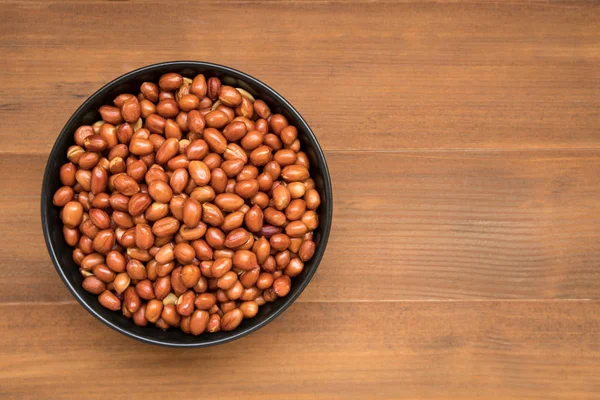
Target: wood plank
{"x": 411, "y": 75}
{"x": 420, "y": 350}
{"x": 407, "y": 226}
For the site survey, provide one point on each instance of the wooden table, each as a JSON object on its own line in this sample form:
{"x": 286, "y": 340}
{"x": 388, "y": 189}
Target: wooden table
{"x": 464, "y": 147}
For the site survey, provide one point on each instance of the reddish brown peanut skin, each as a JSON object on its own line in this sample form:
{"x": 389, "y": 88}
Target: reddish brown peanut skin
{"x": 93, "y": 285}
{"x": 72, "y": 214}
{"x": 132, "y": 301}
{"x": 189, "y": 205}
{"x": 214, "y": 323}
{"x": 254, "y": 219}
{"x": 190, "y": 275}
{"x": 169, "y": 315}
{"x": 199, "y": 86}
{"x": 307, "y": 250}
{"x": 88, "y": 228}
{"x": 198, "y": 322}
{"x": 205, "y": 301}
{"x": 282, "y": 286}
{"x": 153, "y": 310}
{"x": 109, "y": 300}
{"x": 229, "y": 96}
{"x": 214, "y": 85}
{"x": 62, "y": 196}
{"x": 245, "y": 260}
{"x": 170, "y": 81}
{"x": 185, "y": 303}
{"x": 294, "y": 267}
{"x": 231, "y": 319}
{"x": 249, "y": 309}
{"x": 199, "y": 172}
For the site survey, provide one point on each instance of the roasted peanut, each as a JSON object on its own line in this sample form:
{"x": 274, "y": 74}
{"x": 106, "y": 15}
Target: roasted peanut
{"x": 153, "y": 310}
{"x": 231, "y": 319}
{"x": 170, "y": 81}
{"x": 215, "y": 140}
{"x": 198, "y": 322}
{"x": 199, "y": 172}
{"x": 93, "y": 285}
{"x": 72, "y": 214}
{"x": 185, "y": 303}
{"x": 245, "y": 260}
{"x": 109, "y": 300}
{"x": 282, "y": 286}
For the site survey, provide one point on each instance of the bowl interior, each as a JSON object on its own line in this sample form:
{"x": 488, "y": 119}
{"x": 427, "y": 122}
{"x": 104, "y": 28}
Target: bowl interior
{"x": 60, "y": 252}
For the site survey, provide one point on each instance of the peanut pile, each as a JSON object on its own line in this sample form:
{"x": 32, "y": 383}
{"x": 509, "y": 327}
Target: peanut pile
{"x": 188, "y": 205}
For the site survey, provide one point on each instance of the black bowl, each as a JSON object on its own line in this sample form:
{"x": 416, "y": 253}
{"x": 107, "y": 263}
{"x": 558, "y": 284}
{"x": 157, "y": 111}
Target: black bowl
{"x": 61, "y": 253}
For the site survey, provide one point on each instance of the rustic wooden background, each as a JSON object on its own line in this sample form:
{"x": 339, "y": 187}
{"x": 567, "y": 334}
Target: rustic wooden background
{"x": 464, "y": 145}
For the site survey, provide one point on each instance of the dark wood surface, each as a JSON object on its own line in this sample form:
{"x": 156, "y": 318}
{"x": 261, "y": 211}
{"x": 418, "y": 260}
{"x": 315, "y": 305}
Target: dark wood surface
{"x": 464, "y": 146}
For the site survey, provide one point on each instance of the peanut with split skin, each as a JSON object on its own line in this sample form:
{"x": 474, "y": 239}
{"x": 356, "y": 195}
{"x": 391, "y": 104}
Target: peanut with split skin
{"x": 189, "y": 205}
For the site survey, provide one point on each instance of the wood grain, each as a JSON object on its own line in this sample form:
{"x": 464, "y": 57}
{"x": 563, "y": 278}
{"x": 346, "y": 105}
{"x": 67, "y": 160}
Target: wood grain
{"x": 376, "y": 76}
{"x": 462, "y": 138}
{"x": 421, "y": 350}
{"x": 453, "y": 225}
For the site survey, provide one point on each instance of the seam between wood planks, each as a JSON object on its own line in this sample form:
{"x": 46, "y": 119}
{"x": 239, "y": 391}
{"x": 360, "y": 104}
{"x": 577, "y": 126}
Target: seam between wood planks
{"x": 73, "y": 302}
{"x": 392, "y": 151}
{"x": 548, "y": 3}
